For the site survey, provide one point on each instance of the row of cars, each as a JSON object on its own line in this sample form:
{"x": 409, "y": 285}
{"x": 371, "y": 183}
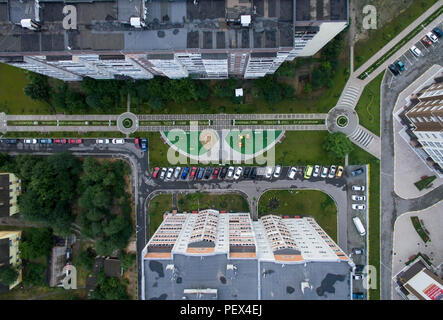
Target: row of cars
{"x": 324, "y": 172}
{"x": 428, "y": 40}
{"x": 43, "y": 141}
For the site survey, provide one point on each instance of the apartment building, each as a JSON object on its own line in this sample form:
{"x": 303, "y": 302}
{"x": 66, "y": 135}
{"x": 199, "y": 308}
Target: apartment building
{"x": 426, "y": 118}
{"x": 139, "y": 39}
{"x": 10, "y": 189}
{"x": 10, "y": 255}
{"x": 215, "y": 255}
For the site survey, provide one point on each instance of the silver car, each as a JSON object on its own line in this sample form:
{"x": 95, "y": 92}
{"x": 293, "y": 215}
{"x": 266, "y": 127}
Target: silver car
{"x": 163, "y": 173}
{"x": 177, "y": 172}
{"x": 356, "y": 206}
{"x": 324, "y": 172}
{"x": 238, "y": 173}
{"x": 332, "y": 172}
{"x": 230, "y": 172}
{"x": 30, "y": 141}
{"x": 277, "y": 171}
{"x": 170, "y": 173}
{"x": 292, "y": 172}
{"x": 316, "y": 171}
{"x": 269, "y": 171}
{"x": 358, "y": 198}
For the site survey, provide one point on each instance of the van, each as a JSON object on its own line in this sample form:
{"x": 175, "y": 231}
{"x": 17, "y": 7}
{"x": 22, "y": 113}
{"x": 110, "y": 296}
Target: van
{"x": 308, "y": 171}
{"x": 359, "y": 226}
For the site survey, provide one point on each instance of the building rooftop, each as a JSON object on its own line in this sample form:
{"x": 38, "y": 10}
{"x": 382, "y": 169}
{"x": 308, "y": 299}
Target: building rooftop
{"x": 112, "y": 267}
{"x": 170, "y": 25}
{"x": 4, "y": 195}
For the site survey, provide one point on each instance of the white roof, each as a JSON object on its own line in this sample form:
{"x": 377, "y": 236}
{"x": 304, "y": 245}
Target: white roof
{"x": 426, "y": 286}
{"x": 239, "y": 92}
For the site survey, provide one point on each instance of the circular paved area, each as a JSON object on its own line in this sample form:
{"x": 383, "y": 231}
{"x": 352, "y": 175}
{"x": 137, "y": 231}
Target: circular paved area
{"x": 132, "y": 117}
{"x": 334, "y": 113}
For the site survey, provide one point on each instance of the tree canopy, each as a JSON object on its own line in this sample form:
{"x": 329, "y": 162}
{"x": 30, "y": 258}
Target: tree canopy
{"x": 36, "y": 243}
{"x": 109, "y": 288}
{"x": 8, "y": 275}
{"x": 338, "y": 145}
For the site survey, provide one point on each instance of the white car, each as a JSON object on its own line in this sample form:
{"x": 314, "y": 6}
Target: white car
{"x": 118, "y": 141}
{"x": 357, "y": 277}
{"x": 358, "y": 188}
{"x": 177, "y": 172}
{"x": 292, "y": 172}
{"x": 415, "y": 51}
{"x": 238, "y": 173}
{"x": 269, "y": 171}
{"x": 356, "y": 206}
{"x": 332, "y": 172}
{"x": 277, "y": 171}
{"x": 170, "y": 173}
{"x": 102, "y": 141}
{"x": 162, "y": 173}
{"x": 316, "y": 172}
{"x": 358, "y": 198}
{"x": 324, "y": 172}
{"x": 432, "y": 36}
{"x": 230, "y": 172}
{"x": 31, "y": 141}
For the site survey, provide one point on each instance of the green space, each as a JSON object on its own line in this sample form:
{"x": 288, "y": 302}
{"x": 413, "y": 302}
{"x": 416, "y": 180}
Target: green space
{"x": 302, "y": 203}
{"x": 187, "y": 141}
{"x": 360, "y": 157}
{"x": 283, "y": 122}
{"x": 342, "y": 121}
{"x": 424, "y": 183}
{"x": 157, "y": 207}
{"x": 420, "y": 230}
{"x": 251, "y": 141}
{"x": 368, "y": 106}
{"x": 378, "y": 38}
{"x": 127, "y": 123}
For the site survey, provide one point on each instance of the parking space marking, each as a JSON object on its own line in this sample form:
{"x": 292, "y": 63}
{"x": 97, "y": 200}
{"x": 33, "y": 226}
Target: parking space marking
{"x": 404, "y": 55}
{"x": 423, "y": 46}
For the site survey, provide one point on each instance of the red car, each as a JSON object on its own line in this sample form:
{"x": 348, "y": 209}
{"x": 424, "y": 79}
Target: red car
{"x": 137, "y": 143}
{"x": 155, "y": 172}
{"x": 57, "y": 141}
{"x": 215, "y": 173}
{"x": 79, "y": 141}
{"x": 193, "y": 172}
{"x": 72, "y": 141}
{"x": 63, "y": 141}
{"x": 426, "y": 42}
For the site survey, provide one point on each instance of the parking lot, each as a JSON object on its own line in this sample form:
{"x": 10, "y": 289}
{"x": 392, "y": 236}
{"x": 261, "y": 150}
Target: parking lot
{"x": 408, "y": 58}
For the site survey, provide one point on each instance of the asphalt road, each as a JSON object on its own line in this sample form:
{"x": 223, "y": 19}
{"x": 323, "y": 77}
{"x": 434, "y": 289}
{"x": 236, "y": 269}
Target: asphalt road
{"x": 391, "y": 204}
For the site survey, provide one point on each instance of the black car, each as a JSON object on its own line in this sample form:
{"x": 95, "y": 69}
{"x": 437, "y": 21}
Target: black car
{"x": 223, "y": 172}
{"x": 253, "y": 174}
{"x": 200, "y": 173}
{"x": 393, "y": 69}
{"x": 359, "y": 268}
{"x": 357, "y": 172}
{"x": 10, "y": 141}
{"x": 246, "y": 172}
{"x": 208, "y": 172}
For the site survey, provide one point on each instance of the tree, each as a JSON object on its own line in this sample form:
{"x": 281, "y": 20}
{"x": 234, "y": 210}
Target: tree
{"x": 38, "y": 87}
{"x": 36, "y": 243}
{"x": 86, "y": 259}
{"x": 8, "y": 275}
{"x": 127, "y": 260}
{"x": 109, "y": 288}
{"x": 34, "y": 274}
{"x": 338, "y": 145}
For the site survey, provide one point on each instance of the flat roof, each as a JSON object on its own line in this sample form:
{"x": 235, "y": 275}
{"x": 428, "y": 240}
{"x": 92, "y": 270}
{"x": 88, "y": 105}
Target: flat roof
{"x": 4, "y": 195}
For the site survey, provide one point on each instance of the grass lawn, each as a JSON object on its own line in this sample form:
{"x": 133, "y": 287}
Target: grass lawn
{"x": 368, "y": 107}
{"x": 224, "y": 202}
{"x": 157, "y": 206}
{"x": 378, "y": 38}
{"x": 356, "y": 157}
{"x": 304, "y": 203}
{"x": 12, "y": 98}
{"x": 43, "y": 293}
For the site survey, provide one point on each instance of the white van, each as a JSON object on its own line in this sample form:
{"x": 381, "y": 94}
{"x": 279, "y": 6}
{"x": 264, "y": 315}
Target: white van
{"x": 359, "y": 226}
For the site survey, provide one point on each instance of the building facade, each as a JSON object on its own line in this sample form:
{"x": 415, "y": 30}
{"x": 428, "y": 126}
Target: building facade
{"x": 213, "y": 255}
{"x": 10, "y": 255}
{"x": 10, "y": 189}
{"x": 139, "y": 39}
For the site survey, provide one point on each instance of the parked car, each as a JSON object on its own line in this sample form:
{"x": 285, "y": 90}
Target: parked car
{"x": 30, "y": 141}
{"x": 45, "y": 141}
{"x": 359, "y": 226}
{"x": 393, "y": 69}
{"x": 332, "y": 172}
{"x": 358, "y": 251}
{"x": 118, "y": 141}
{"x": 200, "y": 173}
{"x": 144, "y": 144}
{"x": 426, "y": 41}
{"x": 356, "y": 206}
{"x": 358, "y": 188}
{"x": 359, "y": 268}
{"x": 437, "y": 31}
{"x": 432, "y": 36}
{"x": 208, "y": 172}
{"x": 253, "y": 174}
{"x": 230, "y": 172}
{"x": 193, "y": 172}
{"x": 223, "y": 172}
{"x": 61, "y": 141}
{"x": 169, "y": 173}
{"x": 246, "y": 172}
{"x": 10, "y": 141}
{"x": 358, "y": 198}
{"x": 185, "y": 173}
{"x": 415, "y": 51}
{"x": 277, "y": 171}
{"x": 79, "y": 141}
{"x": 316, "y": 172}
{"x": 155, "y": 172}
{"x": 308, "y": 171}
{"x": 292, "y": 172}
{"x": 357, "y": 172}
{"x": 238, "y": 173}
{"x": 102, "y": 141}
{"x": 358, "y": 276}
{"x": 68, "y": 254}
{"x": 324, "y": 172}
{"x": 269, "y": 171}
{"x": 163, "y": 173}
{"x": 339, "y": 172}
{"x": 137, "y": 143}
{"x": 72, "y": 141}
{"x": 358, "y": 295}
{"x": 215, "y": 173}
{"x": 177, "y": 172}
{"x": 400, "y": 65}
